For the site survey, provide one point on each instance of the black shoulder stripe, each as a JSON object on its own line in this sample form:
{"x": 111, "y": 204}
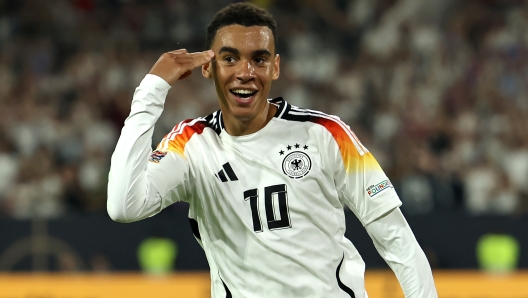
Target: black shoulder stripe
{"x": 220, "y": 121}
{"x": 308, "y": 111}
{"x": 285, "y": 109}
{"x": 209, "y": 119}
{"x": 298, "y": 118}
{"x": 293, "y": 114}
{"x": 282, "y": 106}
{"x": 213, "y": 121}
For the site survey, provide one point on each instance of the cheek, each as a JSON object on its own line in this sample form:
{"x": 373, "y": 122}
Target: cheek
{"x": 219, "y": 77}
{"x": 223, "y": 74}
{"x": 267, "y": 74}
{"x": 263, "y": 71}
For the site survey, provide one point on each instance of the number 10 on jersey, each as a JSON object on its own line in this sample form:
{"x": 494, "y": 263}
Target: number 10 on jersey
{"x": 274, "y": 194}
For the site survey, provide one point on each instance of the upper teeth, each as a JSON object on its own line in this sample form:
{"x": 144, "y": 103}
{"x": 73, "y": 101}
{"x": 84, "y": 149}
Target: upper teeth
{"x": 242, "y": 91}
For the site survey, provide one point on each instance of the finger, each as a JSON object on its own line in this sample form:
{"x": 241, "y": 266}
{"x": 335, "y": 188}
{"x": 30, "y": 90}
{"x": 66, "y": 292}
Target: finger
{"x": 202, "y": 58}
{"x": 182, "y": 58}
{"x": 180, "y": 51}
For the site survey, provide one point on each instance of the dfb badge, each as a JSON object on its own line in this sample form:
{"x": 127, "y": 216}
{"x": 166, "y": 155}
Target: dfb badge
{"x": 296, "y": 164}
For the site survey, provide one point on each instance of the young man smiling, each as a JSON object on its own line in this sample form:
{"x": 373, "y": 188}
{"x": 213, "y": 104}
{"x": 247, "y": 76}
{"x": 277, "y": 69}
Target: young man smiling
{"x": 266, "y": 181}
{"x": 243, "y": 70}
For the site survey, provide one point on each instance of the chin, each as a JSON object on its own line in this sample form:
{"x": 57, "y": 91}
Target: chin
{"x": 243, "y": 114}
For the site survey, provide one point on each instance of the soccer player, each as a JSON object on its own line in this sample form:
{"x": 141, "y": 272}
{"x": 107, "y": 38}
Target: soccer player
{"x": 267, "y": 182}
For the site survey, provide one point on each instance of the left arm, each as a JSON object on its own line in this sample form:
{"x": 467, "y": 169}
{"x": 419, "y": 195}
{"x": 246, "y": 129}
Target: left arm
{"x": 396, "y": 243}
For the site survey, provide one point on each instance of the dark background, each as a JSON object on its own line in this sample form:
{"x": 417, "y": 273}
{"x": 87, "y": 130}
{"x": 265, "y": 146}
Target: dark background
{"x": 437, "y": 90}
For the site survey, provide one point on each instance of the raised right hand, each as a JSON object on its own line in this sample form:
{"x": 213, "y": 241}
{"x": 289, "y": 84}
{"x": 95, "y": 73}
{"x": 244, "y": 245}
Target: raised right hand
{"x": 177, "y": 65}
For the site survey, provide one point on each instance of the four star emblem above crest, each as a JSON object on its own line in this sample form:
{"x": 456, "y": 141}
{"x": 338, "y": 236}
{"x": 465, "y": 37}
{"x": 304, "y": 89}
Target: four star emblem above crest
{"x": 296, "y": 146}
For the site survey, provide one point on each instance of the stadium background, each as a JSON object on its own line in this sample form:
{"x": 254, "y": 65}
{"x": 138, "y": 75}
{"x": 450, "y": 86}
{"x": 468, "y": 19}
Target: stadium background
{"x": 437, "y": 90}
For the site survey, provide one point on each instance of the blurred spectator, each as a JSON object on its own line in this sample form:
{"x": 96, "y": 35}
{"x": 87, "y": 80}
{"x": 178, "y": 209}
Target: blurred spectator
{"x": 67, "y": 262}
{"x": 436, "y": 90}
{"x": 100, "y": 263}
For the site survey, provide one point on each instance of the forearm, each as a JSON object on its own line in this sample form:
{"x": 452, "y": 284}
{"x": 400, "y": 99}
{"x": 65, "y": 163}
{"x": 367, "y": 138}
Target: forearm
{"x": 396, "y": 243}
{"x": 130, "y": 194}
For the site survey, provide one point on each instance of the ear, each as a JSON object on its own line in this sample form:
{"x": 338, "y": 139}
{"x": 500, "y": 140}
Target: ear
{"x": 276, "y": 68}
{"x": 207, "y": 70}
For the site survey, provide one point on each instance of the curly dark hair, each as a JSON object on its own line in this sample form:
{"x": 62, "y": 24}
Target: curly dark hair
{"x": 243, "y": 13}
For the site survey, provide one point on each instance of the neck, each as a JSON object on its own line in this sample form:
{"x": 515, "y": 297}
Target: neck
{"x": 240, "y": 127}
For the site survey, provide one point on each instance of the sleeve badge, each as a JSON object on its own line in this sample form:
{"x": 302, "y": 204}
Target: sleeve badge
{"x": 373, "y": 190}
{"x": 156, "y": 156}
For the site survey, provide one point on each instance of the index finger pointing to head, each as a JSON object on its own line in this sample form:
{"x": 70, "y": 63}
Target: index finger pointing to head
{"x": 180, "y": 51}
{"x": 202, "y": 58}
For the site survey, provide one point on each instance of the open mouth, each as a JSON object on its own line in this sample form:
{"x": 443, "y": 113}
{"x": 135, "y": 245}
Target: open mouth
{"x": 243, "y": 93}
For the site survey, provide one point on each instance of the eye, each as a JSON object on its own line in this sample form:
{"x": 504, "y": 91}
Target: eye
{"x": 230, "y": 59}
{"x": 260, "y": 60}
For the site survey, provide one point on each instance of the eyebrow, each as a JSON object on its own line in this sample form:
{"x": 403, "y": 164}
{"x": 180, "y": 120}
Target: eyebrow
{"x": 229, "y": 50}
{"x": 261, "y": 53}
{"x": 234, "y": 51}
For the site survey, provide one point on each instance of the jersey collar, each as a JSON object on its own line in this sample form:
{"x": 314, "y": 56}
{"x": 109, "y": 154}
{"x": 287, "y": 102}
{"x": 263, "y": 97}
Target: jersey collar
{"x": 216, "y": 121}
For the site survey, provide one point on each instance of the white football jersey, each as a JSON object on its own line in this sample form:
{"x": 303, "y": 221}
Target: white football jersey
{"x": 268, "y": 208}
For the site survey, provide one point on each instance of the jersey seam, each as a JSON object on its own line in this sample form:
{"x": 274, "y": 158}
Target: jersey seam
{"x": 393, "y": 204}
{"x": 168, "y": 191}
{"x": 185, "y": 146}
{"x": 188, "y": 160}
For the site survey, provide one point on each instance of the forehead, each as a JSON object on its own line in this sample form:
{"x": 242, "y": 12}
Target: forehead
{"x": 244, "y": 38}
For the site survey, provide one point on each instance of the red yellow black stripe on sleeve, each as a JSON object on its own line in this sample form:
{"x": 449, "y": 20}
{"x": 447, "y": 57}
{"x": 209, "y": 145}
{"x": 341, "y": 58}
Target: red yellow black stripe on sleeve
{"x": 176, "y": 140}
{"x": 356, "y": 157}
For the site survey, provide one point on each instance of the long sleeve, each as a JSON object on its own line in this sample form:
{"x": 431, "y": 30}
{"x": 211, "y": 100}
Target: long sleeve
{"x": 396, "y": 243}
{"x": 138, "y": 188}
{"x": 359, "y": 179}
{"x": 367, "y": 191}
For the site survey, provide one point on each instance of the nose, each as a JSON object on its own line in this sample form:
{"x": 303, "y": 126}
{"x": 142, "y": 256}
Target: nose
{"x": 245, "y": 71}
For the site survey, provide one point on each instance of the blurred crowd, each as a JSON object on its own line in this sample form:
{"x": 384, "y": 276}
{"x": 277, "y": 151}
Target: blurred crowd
{"x": 437, "y": 90}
